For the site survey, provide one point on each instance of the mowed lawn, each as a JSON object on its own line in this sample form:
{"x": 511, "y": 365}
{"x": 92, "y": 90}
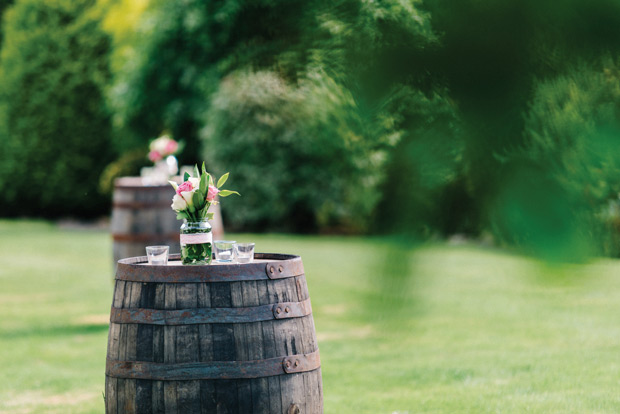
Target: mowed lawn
{"x": 442, "y": 329}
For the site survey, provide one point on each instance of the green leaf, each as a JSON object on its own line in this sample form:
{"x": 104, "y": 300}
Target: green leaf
{"x": 204, "y": 170}
{"x": 210, "y": 180}
{"x": 222, "y": 180}
{"x": 196, "y": 171}
{"x": 203, "y": 183}
{"x": 209, "y": 216}
{"x": 182, "y": 215}
{"x": 205, "y": 211}
{"x": 198, "y": 200}
{"x": 186, "y": 176}
{"x": 226, "y": 193}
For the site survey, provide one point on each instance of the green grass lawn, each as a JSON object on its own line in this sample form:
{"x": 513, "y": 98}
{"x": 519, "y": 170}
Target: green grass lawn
{"x": 452, "y": 329}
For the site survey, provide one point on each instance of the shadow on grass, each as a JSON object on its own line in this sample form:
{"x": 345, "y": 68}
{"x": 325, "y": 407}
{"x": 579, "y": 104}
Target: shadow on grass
{"x": 53, "y": 331}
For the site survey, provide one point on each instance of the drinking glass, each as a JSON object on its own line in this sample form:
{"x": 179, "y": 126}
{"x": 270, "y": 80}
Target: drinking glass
{"x": 157, "y": 255}
{"x": 224, "y": 251}
{"x": 245, "y": 252}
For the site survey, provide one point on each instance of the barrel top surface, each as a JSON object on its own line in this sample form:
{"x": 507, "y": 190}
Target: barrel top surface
{"x": 264, "y": 266}
{"x": 177, "y": 262}
{"x": 136, "y": 183}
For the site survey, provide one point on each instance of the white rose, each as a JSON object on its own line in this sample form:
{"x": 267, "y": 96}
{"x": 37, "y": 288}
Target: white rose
{"x": 160, "y": 144}
{"x": 189, "y": 197}
{"x": 178, "y": 203}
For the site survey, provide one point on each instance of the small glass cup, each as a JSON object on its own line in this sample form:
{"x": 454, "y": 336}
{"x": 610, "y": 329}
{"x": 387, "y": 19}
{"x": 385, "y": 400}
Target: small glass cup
{"x": 224, "y": 251}
{"x": 244, "y": 252}
{"x": 157, "y": 255}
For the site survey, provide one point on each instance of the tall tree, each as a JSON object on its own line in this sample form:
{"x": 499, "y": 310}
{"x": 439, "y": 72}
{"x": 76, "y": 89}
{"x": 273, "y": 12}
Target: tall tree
{"x": 54, "y": 126}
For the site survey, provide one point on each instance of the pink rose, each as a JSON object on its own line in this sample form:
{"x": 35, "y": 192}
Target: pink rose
{"x": 185, "y": 186}
{"x": 155, "y": 156}
{"x": 171, "y": 147}
{"x": 212, "y": 193}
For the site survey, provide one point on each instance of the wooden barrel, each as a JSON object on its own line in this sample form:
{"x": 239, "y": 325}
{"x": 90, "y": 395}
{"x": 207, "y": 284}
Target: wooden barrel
{"x": 141, "y": 216}
{"x": 223, "y": 338}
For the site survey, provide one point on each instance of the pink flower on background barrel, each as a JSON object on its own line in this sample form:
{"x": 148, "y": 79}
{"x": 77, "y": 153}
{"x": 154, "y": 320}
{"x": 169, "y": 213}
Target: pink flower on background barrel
{"x": 155, "y": 156}
{"x": 171, "y": 146}
{"x": 185, "y": 186}
{"x": 212, "y": 193}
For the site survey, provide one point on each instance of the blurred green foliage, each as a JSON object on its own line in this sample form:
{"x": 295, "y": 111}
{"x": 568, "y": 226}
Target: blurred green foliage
{"x": 178, "y": 55}
{"x": 54, "y": 128}
{"x": 128, "y": 164}
{"x": 423, "y": 193}
{"x": 418, "y": 117}
{"x": 572, "y": 129}
{"x": 572, "y": 126}
{"x": 326, "y": 123}
{"x": 299, "y": 159}
{"x": 511, "y": 67}
{"x": 4, "y": 4}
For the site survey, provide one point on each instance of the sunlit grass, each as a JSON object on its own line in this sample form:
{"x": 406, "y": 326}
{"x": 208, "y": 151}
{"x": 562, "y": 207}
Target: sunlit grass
{"x": 453, "y": 329}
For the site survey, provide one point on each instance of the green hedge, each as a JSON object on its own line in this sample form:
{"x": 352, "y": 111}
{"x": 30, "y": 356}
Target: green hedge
{"x": 296, "y": 153}
{"x": 572, "y": 126}
{"x": 181, "y": 50}
{"x": 54, "y": 128}
{"x": 571, "y": 132}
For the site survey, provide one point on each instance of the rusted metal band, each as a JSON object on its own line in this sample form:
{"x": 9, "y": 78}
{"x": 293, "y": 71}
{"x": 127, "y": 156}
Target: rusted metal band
{"x": 285, "y": 310}
{"x": 139, "y": 205}
{"x": 213, "y": 370}
{"x": 195, "y": 316}
{"x": 285, "y": 265}
{"x": 301, "y": 363}
{"x": 275, "y": 271}
{"x": 144, "y": 237}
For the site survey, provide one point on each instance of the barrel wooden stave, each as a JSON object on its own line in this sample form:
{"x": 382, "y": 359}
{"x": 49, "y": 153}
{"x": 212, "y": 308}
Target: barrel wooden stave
{"x": 141, "y": 216}
{"x": 213, "y": 342}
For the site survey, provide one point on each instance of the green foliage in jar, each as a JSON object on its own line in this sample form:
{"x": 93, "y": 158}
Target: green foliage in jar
{"x": 196, "y": 252}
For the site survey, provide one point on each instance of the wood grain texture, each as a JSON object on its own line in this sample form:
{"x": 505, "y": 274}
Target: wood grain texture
{"x": 214, "y": 344}
{"x": 141, "y": 216}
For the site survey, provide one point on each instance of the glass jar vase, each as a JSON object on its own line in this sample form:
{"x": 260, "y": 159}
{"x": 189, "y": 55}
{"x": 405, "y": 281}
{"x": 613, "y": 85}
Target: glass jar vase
{"x": 196, "y": 242}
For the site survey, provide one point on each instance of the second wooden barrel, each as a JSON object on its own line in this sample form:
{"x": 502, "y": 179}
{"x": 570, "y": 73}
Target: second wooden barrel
{"x": 141, "y": 216}
{"x": 223, "y": 338}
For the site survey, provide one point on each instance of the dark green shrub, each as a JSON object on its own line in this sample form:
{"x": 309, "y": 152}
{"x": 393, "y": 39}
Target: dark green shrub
{"x": 181, "y": 50}
{"x": 424, "y": 193}
{"x": 4, "y": 5}
{"x": 573, "y": 126}
{"x": 54, "y": 128}
{"x": 490, "y": 56}
{"x": 295, "y": 153}
{"x": 572, "y": 131}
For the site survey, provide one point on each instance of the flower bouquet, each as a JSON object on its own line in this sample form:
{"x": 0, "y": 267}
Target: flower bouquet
{"x": 191, "y": 202}
{"x": 162, "y": 147}
{"x": 162, "y": 152}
